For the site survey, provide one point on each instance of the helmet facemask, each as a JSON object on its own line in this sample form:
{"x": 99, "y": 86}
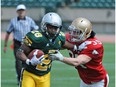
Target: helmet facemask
{"x": 77, "y": 34}
{"x": 51, "y": 25}
{"x": 51, "y": 30}
{"x": 80, "y": 29}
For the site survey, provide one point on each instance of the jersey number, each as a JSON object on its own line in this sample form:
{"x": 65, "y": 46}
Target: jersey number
{"x": 44, "y": 65}
{"x": 36, "y": 33}
{"x": 96, "y": 42}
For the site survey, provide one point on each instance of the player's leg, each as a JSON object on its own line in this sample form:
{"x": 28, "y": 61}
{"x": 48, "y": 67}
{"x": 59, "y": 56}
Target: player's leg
{"x": 27, "y": 80}
{"x": 43, "y": 81}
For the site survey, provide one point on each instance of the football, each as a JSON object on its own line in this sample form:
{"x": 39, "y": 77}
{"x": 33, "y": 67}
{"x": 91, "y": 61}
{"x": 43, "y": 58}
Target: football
{"x": 38, "y": 53}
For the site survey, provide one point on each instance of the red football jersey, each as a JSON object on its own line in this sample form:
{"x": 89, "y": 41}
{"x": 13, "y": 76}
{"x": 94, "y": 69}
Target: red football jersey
{"x": 93, "y": 71}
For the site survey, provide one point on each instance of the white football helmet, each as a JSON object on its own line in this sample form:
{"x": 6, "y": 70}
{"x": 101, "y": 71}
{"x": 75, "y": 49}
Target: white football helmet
{"x": 52, "y": 19}
{"x": 80, "y": 29}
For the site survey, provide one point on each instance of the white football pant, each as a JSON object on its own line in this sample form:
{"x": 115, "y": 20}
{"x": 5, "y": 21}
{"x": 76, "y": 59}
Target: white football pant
{"x": 102, "y": 83}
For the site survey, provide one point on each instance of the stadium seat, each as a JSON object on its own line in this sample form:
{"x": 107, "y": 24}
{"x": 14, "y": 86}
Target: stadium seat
{"x": 59, "y": 3}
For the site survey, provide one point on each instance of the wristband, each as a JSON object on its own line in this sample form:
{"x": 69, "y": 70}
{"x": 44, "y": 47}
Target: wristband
{"x": 27, "y": 61}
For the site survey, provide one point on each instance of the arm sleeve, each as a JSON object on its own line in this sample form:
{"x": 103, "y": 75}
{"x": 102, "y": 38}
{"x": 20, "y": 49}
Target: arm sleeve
{"x": 27, "y": 40}
{"x": 34, "y": 26}
{"x": 31, "y": 40}
{"x": 10, "y": 27}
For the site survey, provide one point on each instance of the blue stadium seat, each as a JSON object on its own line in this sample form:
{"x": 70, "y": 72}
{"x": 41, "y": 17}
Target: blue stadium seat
{"x": 54, "y": 3}
{"x": 94, "y": 4}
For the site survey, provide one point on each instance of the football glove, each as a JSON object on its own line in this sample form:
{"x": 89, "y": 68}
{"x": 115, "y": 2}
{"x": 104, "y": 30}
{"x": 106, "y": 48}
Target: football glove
{"x": 35, "y": 61}
{"x": 56, "y": 56}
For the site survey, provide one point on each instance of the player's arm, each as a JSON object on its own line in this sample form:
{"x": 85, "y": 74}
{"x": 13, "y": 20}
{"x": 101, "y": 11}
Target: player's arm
{"x": 81, "y": 59}
{"x": 22, "y": 52}
{"x": 68, "y": 45}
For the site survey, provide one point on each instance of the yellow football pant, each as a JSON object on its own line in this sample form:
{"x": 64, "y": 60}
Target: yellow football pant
{"x": 31, "y": 80}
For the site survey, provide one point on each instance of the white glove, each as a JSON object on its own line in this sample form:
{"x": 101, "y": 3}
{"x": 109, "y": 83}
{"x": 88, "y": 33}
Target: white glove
{"x": 56, "y": 56}
{"x": 35, "y": 61}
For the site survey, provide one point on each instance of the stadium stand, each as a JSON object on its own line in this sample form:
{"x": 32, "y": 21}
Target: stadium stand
{"x": 31, "y": 3}
{"x": 94, "y": 4}
{"x": 60, "y": 3}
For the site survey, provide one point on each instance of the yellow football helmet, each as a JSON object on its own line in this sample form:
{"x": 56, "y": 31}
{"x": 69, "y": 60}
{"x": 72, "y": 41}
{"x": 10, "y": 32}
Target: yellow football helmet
{"x": 80, "y": 29}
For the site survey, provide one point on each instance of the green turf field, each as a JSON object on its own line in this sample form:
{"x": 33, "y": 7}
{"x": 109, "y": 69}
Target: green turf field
{"x": 62, "y": 75}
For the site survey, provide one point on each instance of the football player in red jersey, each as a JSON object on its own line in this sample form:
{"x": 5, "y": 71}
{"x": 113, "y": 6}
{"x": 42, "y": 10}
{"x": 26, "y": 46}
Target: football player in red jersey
{"x": 88, "y": 59}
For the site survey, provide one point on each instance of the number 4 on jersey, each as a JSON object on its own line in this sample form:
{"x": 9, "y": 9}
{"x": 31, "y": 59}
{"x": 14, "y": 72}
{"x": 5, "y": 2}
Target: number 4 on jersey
{"x": 94, "y": 52}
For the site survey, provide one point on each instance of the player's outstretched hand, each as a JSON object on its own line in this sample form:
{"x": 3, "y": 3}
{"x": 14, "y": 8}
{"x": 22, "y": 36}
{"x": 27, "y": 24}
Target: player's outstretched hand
{"x": 56, "y": 56}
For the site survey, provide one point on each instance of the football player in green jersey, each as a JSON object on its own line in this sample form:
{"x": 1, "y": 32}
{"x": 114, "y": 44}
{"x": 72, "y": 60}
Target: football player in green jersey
{"x": 36, "y": 72}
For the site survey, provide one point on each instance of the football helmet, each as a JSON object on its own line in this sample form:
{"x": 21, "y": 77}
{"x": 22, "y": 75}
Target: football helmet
{"x": 80, "y": 29}
{"x": 51, "y": 20}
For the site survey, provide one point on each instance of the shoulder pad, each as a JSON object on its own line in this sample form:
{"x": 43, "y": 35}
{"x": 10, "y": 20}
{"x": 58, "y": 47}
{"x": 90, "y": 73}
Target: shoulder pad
{"x": 32, "y": 37}
{"x": 61, "y": 34}
{"x": 36, "y": 34}
{"x": 27, "y": 41}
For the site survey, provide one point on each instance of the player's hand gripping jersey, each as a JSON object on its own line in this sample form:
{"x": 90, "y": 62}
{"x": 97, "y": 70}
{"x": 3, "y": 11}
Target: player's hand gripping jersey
{"x": 90, "y": 71}
{"x": 36, "y": 40}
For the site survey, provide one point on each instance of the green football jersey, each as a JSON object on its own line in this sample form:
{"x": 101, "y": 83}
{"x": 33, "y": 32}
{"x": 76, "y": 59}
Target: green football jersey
{"x": 36, "y": 40}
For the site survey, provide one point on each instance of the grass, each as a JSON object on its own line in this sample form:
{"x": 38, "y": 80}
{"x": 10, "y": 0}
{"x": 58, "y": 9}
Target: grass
{"x": 62, "y": 75}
